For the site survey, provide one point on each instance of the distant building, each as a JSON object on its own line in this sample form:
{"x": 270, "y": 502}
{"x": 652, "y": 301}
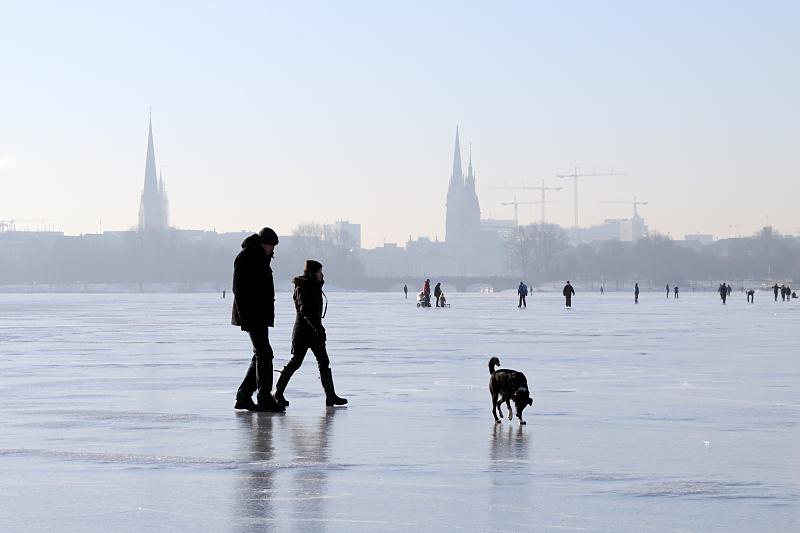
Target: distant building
{"x": 153, "y": 206}
{"x": 700, "y": 238}
{"x": 612, "y": 229}
{"x": 344, "y": 232}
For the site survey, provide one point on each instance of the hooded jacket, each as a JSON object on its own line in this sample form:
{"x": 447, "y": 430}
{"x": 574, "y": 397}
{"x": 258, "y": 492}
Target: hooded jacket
{"x": 308, "y": 304}
{"x": 253, "y": 287}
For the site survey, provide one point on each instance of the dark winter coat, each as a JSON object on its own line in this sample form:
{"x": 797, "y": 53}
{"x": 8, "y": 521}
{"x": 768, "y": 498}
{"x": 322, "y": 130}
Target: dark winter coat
{"x": 568, "y": 291}
{"x": 308, "y": 304}
{"x": 437, "y": 291}
{"x": 253, "y": 287}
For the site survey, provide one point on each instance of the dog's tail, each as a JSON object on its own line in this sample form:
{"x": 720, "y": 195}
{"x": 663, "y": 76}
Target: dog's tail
{"x": 493, "y": 362}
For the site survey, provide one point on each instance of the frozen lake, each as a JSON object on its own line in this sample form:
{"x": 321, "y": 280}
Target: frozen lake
{"x": 117, "y": 415}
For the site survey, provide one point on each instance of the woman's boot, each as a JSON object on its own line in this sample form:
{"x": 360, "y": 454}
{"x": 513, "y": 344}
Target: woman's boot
{"x": 283, "y": 381}
{"x": 327, "y": 384}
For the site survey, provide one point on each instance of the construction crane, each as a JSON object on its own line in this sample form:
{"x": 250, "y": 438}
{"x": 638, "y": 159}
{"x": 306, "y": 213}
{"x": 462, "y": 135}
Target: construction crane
{"x": 636, "y": 203}
{"x": 516, "y": 205}
{"x": 575, "y": 175}
{"x": 541, "y": 189}
{"x": 544, "y": 200}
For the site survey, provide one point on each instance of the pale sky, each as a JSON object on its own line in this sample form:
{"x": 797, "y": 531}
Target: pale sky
{"x": 278, "y": 113}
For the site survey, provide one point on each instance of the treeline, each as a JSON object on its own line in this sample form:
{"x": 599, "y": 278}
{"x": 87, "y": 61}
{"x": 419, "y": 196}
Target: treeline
{"x": 167, "y": 257}
{"x": 541, "y": 253}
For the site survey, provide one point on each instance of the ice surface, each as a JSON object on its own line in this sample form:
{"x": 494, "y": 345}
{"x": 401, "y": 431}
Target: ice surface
{"x": 116, "y": 415}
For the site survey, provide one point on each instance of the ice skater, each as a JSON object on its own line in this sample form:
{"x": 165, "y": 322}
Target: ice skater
{"x": 677, "y": 290}
{"x": 636, "y": 294}
{"x": 254, "y": 312}
{"x": 568, "y": 293}
{"x": 522, "y": 292}
{"x": 405, "y": 290}
{"x": 309, "y": 334}
{"x": 667, "y": 291}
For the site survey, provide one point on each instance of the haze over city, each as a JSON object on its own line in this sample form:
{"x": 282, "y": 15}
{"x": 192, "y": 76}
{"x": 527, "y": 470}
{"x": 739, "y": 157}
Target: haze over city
{"x": 282, "y": 114}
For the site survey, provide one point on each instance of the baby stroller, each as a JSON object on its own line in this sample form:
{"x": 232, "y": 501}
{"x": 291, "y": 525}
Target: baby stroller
{"x": 423, "y": 300}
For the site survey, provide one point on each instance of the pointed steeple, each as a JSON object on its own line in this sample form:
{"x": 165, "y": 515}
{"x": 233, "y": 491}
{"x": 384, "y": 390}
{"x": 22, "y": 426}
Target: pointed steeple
{"x": 150, "y": 179}
{"x": 457, "y": 177}
{"x": 153, "y": 207}
{"x": 470, "y": 181}
{"x": 454, "y": 197}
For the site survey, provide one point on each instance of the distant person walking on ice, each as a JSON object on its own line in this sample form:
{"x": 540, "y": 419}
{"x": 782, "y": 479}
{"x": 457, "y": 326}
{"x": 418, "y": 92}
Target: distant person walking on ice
{"x": 636, "y": 294}
{"x": 723, "y": 292}
{"x": 676, "y": 291}
{"x": 437, "y": 293}
{"x": 776, "y": 289}
{"x": 405, "y": 291}
{"x": 254, "y": 312}
{"x": 751, "y": 294}
{"x": 522, "y": 292}
{"x": 426, "y": 292}
{"x": 309, "y": 334}
{"x": 568, "y": 293}
{"x": 667, "y": 291}
{"x": 602, "y": 290}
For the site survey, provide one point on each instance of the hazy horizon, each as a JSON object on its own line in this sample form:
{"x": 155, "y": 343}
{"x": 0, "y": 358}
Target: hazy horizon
{"x": 282, "y": 114}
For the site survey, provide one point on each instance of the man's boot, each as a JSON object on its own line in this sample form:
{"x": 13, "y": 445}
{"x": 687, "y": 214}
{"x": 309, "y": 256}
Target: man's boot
{"x": 245, "y": 401}
{"x": 266, "y": 403}
{"x": 327, "y": 384}
{"x": 283, "y": 381}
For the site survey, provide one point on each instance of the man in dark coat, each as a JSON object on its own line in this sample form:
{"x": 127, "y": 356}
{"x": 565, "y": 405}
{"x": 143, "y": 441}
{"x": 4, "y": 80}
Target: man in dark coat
{"x": 309, "y": 333}
{"x": 522, "y": 292}
{"x": 636, "y": 294}
{"x": 437, "y": 292}
{"x": 254, "y": 312}
{"x": 568, "y": 292}
{"x": 775, "y": 289}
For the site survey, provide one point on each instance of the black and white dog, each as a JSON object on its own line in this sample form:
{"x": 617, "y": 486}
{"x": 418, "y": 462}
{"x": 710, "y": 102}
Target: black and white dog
{"x": 506, "y": 385}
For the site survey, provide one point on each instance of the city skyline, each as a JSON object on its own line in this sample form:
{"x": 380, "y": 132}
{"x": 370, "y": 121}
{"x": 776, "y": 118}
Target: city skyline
{"x": 696, "y": 103}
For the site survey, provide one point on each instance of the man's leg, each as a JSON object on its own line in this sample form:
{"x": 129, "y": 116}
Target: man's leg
{"x": 244, "y": 396}
{"x": 263, "y": 356}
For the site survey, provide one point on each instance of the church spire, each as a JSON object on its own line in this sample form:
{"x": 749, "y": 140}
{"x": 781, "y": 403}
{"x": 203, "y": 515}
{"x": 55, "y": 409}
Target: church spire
{"x": 457, "y": 177}
{"x": 150, "y": 177}
{"x": 153, "y": 205}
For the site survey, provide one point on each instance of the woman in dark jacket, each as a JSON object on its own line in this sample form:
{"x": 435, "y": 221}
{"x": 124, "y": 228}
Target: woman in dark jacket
{"x": 309, "y": 333}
